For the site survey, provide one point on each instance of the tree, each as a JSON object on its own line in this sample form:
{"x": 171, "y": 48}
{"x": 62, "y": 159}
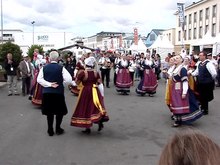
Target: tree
{"x": 31, "y": 50}
{"x": 9, "y": 47}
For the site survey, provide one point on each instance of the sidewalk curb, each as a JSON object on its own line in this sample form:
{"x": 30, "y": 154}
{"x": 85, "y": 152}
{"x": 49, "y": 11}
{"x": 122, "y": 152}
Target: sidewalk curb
{"x": 3, "y": 84}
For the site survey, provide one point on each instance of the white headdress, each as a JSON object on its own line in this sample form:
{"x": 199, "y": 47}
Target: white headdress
{"x": 90, "y": 61}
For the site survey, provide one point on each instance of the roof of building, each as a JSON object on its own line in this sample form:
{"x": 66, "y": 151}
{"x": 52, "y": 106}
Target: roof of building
{"x": 157, "y": 31}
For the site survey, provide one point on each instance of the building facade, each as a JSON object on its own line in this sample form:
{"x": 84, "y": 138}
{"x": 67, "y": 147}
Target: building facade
{"x": 48, "y": 40}
{"x": 200, "y": 17}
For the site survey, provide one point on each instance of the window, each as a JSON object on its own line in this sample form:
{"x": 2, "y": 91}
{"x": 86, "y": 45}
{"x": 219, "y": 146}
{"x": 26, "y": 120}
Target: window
{"x": 200, "y": 15}
{"x": 214, "y": 11}
{"x": 179, "y": 23}
{"x": 179, "y": 36}
{"x": 213, "y": 29}
{"x": 200, "y": 32}
{"x": 189, "y": 35}
{"x": 206, "y": 28}
{"x": 169, "y": 36}
{"x": 190, "y": 19}
{"x": 207, "y": 13}
{"x": 185, "y": 20}
{"x": 194, "y": 33}
{"x": 195, "y": 17}
{"x": 152, "y": 37}
{"x": 184, "y": 34}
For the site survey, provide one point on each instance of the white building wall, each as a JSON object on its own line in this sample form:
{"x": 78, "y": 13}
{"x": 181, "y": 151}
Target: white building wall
{"x": 202, "y": 5}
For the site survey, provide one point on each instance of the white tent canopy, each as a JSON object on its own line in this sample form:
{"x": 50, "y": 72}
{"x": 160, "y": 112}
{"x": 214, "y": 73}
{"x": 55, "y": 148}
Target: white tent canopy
{"x": 163, "y": 46}
{"x": 141, "y": 47}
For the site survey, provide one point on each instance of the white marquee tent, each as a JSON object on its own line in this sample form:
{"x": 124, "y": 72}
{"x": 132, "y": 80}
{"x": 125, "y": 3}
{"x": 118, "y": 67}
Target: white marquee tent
{"x": 141, "y": 47}
{"x": 163, "y": 46}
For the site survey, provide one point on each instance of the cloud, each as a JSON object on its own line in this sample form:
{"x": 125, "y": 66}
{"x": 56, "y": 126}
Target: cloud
{"x": 83, "y": 17}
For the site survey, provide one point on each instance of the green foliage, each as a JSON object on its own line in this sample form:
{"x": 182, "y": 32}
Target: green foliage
{"x": 31, "y": 50}
{"x": 9, "y": 47}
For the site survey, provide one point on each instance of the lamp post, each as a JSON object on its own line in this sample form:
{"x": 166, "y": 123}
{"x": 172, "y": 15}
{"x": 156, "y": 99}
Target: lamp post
{"x": 33, "y": 22}
{"x": 1, "y": 23}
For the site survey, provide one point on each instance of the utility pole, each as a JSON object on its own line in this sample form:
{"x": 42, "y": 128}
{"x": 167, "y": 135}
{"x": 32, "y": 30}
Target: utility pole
{"x": 1, "y": 23}
{"x": 33, "y": 22}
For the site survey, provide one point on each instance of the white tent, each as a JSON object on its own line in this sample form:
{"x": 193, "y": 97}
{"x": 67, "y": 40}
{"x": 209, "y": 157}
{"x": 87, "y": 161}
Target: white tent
{"x": 163, "y": 46}
{"x": 141, "y": 47}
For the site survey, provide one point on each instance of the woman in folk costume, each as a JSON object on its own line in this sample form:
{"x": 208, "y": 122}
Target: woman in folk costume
{"x": 148, "y": 83}
{"x": 80, "y": 66}
{"x": 123, "y": 80}
{"x": 169, "y": 81}
{"x": 192, "y": 82}
{"x": 183, "y": 103}
{"x": 90, "y": 104}
{"x": 36, "y": 89}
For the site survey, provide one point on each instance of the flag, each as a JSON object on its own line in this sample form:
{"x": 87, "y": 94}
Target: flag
{"x": 180, "y": 7}
{"x": 135, "y": 36}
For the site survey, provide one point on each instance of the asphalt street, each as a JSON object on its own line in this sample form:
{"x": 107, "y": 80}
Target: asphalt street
{"x": 138, "y": 129}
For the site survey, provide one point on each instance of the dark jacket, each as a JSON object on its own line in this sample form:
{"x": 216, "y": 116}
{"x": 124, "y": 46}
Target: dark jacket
{"x": 11, "y": 69}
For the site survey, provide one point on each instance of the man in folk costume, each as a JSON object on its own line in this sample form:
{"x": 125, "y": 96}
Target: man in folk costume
{"x": 148, "y": 83}
{"x": 90, "y": 104}
{"x": 206, "y": 73}
{"x": 183, "y": 103}
{"x": 123, "y": 81}
{"x": 51, "y": 77}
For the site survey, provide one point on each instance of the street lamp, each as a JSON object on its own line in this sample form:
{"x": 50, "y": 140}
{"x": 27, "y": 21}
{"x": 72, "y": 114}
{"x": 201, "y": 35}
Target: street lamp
{"x": 1, "y": 22}
{"x": 33, "y": 22}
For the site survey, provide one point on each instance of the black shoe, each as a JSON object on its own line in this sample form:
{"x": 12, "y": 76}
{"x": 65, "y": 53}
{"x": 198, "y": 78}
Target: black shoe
{"x": 50, "y": 132}
{"x": 87, "y": 131}
{"x": 108, "y": 87}
{"x": 205, "y": 112}
{"x": 177, "y": 124}
{"x": 30, "y": 98}
{"x": 101, "y": 126}
{"x": 59, "y": 131}
{"x": 16, "y": 94}
{"x": 10, "y": 94}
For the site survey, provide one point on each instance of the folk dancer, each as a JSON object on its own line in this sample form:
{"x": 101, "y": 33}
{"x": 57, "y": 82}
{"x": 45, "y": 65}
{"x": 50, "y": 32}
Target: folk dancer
{"x": 183, "y": 103}
{"x": 80, "y": 66}
{"x": 206, "y": 73}
{"x": 132, "y": 68}
{"x": 148, "y": 83}
{"x": 123, "y": 81}
{"x": 90, "y": 104}
{"x": 51, "y": 77}
{"x": 37, "y": 89}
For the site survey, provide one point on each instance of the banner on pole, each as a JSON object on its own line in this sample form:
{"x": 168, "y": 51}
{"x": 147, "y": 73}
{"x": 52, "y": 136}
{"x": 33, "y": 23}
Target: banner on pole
{"x": 180, "y": 7}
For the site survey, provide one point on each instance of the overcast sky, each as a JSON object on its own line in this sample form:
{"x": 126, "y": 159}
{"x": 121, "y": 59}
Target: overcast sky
{"x": 88, "y": 17}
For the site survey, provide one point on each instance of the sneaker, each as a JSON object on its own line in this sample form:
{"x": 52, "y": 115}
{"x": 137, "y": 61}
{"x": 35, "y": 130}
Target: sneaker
{"x": 10, "y": 94}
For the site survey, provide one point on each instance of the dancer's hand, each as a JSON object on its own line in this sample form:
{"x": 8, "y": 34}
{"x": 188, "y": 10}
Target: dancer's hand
{"x": 54, "y": 85}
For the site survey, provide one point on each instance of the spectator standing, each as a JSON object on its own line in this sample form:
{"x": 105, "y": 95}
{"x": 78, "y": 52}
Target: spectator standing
{"x": 11, "y": 66}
